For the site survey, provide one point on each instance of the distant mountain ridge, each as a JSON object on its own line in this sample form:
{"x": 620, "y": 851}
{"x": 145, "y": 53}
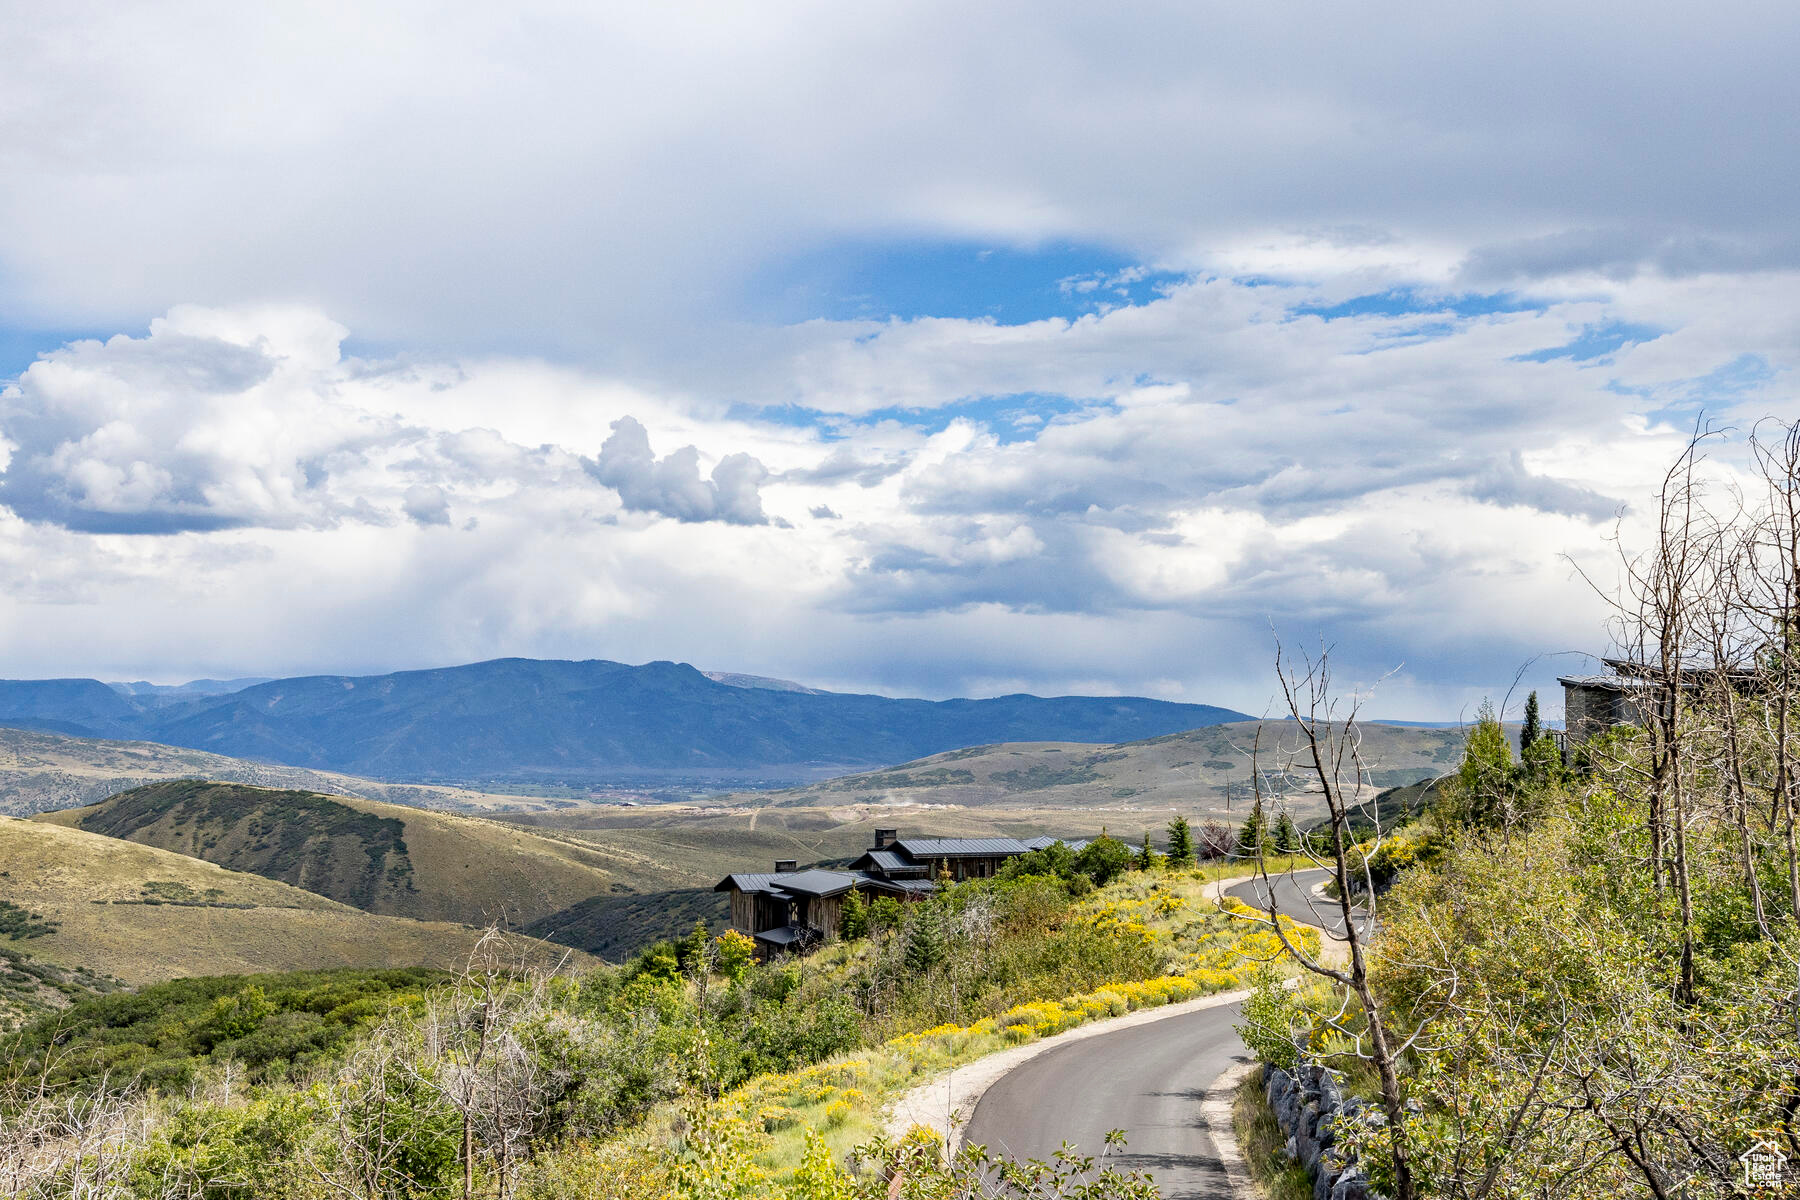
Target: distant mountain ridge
{"x": 525, "y": 719}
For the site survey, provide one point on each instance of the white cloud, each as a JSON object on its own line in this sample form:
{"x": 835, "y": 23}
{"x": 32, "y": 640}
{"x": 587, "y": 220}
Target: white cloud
{"x": 1409, "y": 497}
{"x": 672, "y": 485}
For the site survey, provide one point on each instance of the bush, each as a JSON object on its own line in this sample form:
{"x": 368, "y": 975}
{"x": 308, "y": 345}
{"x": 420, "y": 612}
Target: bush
{"x": 1274, "y": 1023}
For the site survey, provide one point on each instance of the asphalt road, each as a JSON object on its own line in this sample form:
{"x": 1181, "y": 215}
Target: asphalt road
{"x": 1150, "y": 1080}
{"x": 1294, "y": 898}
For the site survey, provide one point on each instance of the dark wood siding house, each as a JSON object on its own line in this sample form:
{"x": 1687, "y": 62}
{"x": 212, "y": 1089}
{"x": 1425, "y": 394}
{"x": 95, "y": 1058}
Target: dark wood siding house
{"x": 794, "y": 910}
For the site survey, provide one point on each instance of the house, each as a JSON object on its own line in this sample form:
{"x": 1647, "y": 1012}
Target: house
{"x": 1593, "y": 704}
{"x": 794, "y": 910}
{"x": 895, "y": 857}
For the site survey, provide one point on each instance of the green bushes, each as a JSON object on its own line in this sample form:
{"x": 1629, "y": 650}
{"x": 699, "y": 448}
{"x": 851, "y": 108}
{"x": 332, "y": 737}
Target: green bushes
{"x": 169, "y": 1033}
{"x": 19, "y": 924}
{"x": 365, "y": 1083}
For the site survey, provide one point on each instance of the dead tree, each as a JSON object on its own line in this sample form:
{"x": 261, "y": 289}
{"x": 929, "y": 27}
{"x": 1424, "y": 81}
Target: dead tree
{"x": 1326, "y": 748}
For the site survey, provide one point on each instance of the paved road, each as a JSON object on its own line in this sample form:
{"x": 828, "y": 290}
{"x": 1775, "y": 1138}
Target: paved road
{"x": 1294, "y": 898}
{"x": 1150, "y": 1081}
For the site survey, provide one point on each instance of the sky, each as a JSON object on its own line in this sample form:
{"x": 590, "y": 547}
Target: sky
{"x": 915, "y": 348}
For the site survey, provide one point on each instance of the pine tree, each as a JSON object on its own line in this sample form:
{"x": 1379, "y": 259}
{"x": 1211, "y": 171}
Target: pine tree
{"x": 1255, "y": 834}
{"x": 1481, "y": 791}
{"x": 924, "y": 938}
{"x": 1147, "y": 857}
{"x": 1287, "y": 838}
{"x": 1532, "y": 730}
{"x": 853, "y": 922}
{"x": 1181, "y": 843}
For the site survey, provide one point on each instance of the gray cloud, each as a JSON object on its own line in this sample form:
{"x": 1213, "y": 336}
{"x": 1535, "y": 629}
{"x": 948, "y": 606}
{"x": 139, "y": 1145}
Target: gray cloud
{"x": 426, "y": 504}
{"x": 671, "y": 486}
{"x": 1162, "y": 131}
{"x": 1620, "y": 254}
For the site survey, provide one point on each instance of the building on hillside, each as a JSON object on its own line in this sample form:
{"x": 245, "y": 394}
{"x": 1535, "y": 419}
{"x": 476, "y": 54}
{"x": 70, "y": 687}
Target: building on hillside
{"x": 794, "y": 910}
{"x": 1593, "y": 704}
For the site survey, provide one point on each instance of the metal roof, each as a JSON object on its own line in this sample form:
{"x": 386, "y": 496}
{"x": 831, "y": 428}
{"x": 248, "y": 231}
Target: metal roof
{"x": 1605, "y": 683}
{"x": 747, "y": 883}
{"x": 916, "y": 886}
{"x": 817, "y": 883}
{"x": 1044, "y": 843}
{"x": 887, "y": 860}
{"x": 781, "y": 935}
{"x": 960, "y": 847}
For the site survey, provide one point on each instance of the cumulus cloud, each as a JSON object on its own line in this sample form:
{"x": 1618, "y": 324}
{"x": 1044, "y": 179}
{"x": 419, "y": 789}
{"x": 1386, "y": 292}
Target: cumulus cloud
{"x": 211, "y": 421}
{"x": 672, "y": 486}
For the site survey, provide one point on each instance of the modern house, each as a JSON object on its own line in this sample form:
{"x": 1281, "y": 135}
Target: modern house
{"x": 794, "y": 910}
{"x": 1593, "y": 704}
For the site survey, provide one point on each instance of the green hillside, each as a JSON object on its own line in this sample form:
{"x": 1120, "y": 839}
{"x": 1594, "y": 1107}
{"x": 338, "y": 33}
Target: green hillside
{"x": 45, "y": 771}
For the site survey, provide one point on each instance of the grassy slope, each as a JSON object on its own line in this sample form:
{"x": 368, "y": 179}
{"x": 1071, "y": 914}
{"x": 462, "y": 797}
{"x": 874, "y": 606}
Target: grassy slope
{"x": 383, "y": 858}
{"x": 94, "y": 888}
{"x": 42, "y": 772}
{"x": 1196, "y": 772}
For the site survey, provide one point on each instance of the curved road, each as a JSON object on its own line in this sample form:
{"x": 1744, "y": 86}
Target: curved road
{"x": 1149, "y": 1080}
{"x": 1294, "y": 897}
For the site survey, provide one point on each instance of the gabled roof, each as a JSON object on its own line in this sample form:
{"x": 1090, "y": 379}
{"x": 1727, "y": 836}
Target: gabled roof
{"x": 887, "y": 860}
{"x": 817, "y": 883}
{"x": 747, "y": 883}
{"x": 1046, "y": 842}
{"x": 930, "y": 848}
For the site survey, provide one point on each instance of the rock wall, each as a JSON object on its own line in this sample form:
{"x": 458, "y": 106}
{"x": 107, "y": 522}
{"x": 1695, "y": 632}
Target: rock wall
{"x": 1312, "y": 1109}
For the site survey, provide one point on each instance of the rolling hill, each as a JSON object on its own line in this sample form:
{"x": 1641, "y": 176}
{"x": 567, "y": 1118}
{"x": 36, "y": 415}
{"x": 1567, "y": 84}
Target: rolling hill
{"x": 1202, "y": 772}
{"x": 381, "y": 858}
{"x": 42, "y": 772}
{"x": 550, "y": 721}
{"x": 95, "y": 908}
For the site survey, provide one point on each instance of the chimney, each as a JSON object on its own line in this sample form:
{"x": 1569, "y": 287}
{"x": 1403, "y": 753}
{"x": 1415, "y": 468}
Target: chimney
{"x": 786, "y": 866}
{"x": 885, "y": 838}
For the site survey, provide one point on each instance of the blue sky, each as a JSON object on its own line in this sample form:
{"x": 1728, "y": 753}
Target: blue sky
{"x": 912, "y": 349}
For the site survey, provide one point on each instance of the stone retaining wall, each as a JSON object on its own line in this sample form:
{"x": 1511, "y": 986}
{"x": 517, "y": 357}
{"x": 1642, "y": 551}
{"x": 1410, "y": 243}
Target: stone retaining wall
{"x": 1311, "y": 1108}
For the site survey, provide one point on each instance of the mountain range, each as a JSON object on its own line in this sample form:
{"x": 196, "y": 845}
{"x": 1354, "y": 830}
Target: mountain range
{"x": 586, "y": 722}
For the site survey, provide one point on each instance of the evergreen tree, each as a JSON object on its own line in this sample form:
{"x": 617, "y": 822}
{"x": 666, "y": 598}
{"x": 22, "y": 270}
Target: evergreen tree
{"x": 1147, "y": 857}
{"x": 1181, "y": 843}
{"x": 924, "y": 937}
{"x": 885, "y": 913}
{"x": 1255, "y": 834}
{"x": 1287, "y": 838}
{"x": 1481, "y": 791}
{"x": 1532, "y": 729}
{"x": 853, "y": 922}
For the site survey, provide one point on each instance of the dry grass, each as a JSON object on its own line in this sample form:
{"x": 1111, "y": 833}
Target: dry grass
{"x": 96, "y": 890}
{"x": 1260, "y": 1139}
{"x": 1203, "y": 773}
{"x": 46, "y": 772}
